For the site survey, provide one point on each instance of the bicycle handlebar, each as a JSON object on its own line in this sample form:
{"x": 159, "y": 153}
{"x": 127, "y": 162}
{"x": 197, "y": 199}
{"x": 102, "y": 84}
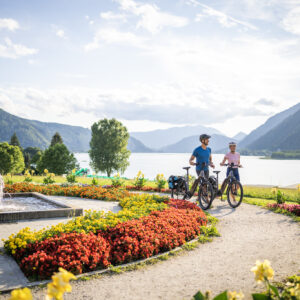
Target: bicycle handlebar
{"x": 232, "y": 165}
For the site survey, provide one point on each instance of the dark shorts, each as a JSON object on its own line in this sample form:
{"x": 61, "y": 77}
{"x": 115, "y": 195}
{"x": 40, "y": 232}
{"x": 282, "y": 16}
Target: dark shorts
{"x": 235, "y": 173}
{"x": 205, "y": 172}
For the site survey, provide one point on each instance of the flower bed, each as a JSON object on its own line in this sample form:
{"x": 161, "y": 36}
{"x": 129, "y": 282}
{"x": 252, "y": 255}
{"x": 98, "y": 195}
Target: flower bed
{"x": 91, "y": 192}
{"x": 147, "y": 225}
{"x": 287, "y": 208}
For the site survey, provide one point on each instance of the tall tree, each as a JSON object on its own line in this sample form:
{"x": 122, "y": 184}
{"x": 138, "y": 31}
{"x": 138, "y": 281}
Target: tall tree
{"x": 56, "y": 139}
{"x": 14, "y": 141}
{"x": 108, "y": 146}
{"x": 12, "y": 160}
{"x": 57, "y": 159}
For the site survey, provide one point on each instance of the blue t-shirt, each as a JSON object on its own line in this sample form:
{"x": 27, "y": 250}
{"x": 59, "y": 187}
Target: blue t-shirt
{"x": 202, "y": 156}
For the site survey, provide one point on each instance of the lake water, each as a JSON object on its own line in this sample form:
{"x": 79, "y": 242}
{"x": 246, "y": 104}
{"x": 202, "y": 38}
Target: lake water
{"x": 255, "y": 170}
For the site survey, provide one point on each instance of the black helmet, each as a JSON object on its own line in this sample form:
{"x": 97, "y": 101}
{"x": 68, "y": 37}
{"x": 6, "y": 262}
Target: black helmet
{"x": 204, "y": 137}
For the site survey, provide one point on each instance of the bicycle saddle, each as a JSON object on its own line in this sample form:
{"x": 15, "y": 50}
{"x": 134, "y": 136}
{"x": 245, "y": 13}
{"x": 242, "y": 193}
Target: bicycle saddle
{"x": 186, "y": 168}
{"x": 217, "y": 172}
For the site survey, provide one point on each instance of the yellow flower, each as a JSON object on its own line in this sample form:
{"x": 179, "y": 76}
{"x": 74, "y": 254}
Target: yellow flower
{"x": 263, "y": 271}
{"x": 235, "y": 295}
{"x": 46, "y": 171}
{"x": 21, "y": 294}
{"x": 52, "y": 174}
{"x": 298, "y": 186}
{"x": 74, "y": 170}
{"x": 274, "y": 190}
{"x": 32, "y": 172}
{"x": 296, "y": 291}
{"x": 60, "y": 284}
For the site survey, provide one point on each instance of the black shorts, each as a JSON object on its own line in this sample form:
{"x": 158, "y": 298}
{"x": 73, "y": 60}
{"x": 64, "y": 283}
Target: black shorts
{"x": 206, "y": 173}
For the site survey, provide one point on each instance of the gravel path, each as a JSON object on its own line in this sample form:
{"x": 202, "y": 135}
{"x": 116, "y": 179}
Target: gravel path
{"x": 248, "y": 233}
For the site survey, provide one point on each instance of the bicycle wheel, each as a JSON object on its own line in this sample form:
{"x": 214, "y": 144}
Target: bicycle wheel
{"x": 205, "y": 195}
{"x": 180, "y": 192}
{"x": 235, "y": 193}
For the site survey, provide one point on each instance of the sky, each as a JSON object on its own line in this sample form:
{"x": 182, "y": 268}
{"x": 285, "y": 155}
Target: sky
{"x": 227, "y": 64}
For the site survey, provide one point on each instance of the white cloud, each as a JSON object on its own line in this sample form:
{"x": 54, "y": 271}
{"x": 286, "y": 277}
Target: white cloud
{"x": 61, "y": 33}
{"x": 151, "y": 18}
{"x": 14, "y": 51}
{"x": 9, "y": 24}
{"x": 114, "y": 36}
{"x": 111, "y": 16}
{"x": 291, "y": 22}
{"x": 223, "y": 19}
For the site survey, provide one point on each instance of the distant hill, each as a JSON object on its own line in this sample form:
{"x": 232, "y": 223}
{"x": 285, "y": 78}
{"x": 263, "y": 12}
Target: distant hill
{"x": 239, "y": 136}
{"x": 271, "y": 123}
{"x": 158, "y": 139}
{"x": 285, "y": 136}
{"x": 188, "y": 144}
{"x": 135, "y": 145}
{"x": 38, "y": 134}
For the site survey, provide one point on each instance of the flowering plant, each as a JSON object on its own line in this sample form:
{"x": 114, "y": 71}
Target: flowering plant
{"x": 116, "y": 181}
{"x": 139, "y": 180}
{"x": 160, "y": 181}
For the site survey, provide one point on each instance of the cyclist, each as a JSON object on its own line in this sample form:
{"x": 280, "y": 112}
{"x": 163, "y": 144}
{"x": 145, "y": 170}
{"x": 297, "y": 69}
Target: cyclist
{"x": 202, "y": 155}
{"x": 232, "y": 157}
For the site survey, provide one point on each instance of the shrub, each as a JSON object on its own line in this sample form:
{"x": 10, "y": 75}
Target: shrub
{"x": 71, "y": 178}
{"x": 116, "y": 181}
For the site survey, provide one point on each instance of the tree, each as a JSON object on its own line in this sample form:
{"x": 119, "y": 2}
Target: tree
{"x": 56, "y": 139}
{"x": 108, "y": 146}
{"x": 37, "y": 157}
{"x": 57, "y": 159}
{"x": 11, "y": 159}
{"x": 14, "y": 141}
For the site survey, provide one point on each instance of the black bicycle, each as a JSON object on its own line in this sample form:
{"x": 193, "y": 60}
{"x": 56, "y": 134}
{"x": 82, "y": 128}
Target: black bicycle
{"x": 234, "y": 190}
{"x": 179, "y": 186}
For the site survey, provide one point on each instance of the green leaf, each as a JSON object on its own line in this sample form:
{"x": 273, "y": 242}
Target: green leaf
{"x": 275, "y": 290}
{"x": 260, "y": 297}
{"x": 222, "y": 296}
{"x": 198, "y": 296}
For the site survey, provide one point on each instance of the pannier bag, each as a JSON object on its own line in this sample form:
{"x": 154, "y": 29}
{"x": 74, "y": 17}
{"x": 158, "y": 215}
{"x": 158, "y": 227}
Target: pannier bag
{"x": 173, "y": 182}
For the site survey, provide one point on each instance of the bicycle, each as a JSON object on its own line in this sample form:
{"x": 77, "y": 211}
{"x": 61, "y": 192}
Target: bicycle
{"x": 205, "y": 193}
{"x": 234, "y": 190}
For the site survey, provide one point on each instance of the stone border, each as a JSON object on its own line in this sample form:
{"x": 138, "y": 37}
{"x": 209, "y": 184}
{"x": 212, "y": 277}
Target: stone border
{"x": 104, "y": 271}
{"x": 62, "y": 210}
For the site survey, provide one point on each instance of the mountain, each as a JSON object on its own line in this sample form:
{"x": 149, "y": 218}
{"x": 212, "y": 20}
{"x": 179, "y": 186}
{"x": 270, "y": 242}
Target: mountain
{"x": 163, "y": 137}
{"x": 239, "y": 136}
{"x": 285, "y": 136}
{"x": 135, "y": 145}
{"x": 268, "y": 125}
{"x": 38, "y": 134}
{"x": 188, "y": 144}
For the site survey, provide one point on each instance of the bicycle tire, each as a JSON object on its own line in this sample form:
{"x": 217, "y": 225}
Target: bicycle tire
{"x": 180, "y": 192}
{"x": 235, "y": 193}
{"x": 205, "y": 199}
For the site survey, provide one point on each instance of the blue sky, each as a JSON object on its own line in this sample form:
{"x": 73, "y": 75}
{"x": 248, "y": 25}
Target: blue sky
{"x": 151, "y": 64}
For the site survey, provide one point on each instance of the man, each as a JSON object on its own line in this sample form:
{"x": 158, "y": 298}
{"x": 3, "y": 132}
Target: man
{"x": 202, "y": 155}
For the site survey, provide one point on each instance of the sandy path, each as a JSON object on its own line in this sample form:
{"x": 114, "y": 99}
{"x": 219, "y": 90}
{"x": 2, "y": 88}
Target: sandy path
{"x": 248, "y": 233}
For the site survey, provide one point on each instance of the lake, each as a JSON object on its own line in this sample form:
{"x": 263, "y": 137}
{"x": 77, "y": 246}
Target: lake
{"x": 255, "y": 170}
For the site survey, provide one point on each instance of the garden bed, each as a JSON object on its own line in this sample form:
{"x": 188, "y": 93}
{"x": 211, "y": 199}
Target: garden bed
{"x": 147, "y": 225}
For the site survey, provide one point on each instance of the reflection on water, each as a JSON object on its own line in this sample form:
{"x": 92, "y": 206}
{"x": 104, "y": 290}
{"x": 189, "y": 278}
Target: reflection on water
{"x": 255, "y": 171}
